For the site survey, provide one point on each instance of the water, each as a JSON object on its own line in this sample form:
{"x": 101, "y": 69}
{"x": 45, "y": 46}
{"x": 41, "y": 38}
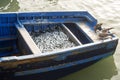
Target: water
{"x": 106, "y": 11}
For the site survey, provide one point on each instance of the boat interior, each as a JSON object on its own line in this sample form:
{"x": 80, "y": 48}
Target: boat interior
{"x": 72, "y": 30}
{"x": 15, "y": 39}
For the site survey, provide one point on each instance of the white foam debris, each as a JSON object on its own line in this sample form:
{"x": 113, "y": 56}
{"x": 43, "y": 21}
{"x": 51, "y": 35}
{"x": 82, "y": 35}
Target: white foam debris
{"x": 52, "y": 40}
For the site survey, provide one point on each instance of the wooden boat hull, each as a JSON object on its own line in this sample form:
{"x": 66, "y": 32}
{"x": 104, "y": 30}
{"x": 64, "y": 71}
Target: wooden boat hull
{"x": 20, "y": 57}
{"x": 55, "y": 74}
{"x": 74, "y": 62}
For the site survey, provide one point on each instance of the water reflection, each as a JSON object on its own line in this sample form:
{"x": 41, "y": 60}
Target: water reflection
{"x": 102, "y": 70}
{"x": 8, "y": 6}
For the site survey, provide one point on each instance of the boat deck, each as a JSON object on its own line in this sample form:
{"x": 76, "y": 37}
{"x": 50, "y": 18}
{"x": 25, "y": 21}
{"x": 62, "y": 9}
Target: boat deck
{"x": 88, "y": 31}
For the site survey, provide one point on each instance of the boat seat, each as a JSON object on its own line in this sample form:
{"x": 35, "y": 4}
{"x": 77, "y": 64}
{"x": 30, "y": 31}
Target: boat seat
{"x": 27, "y": 39}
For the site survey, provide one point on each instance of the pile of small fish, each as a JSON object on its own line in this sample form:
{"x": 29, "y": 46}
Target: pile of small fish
{"x": 52, "y": 40}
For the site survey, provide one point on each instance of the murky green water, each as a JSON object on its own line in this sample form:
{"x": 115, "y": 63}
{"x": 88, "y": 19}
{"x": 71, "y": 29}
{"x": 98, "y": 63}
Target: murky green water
{"x": 106, "y": 11}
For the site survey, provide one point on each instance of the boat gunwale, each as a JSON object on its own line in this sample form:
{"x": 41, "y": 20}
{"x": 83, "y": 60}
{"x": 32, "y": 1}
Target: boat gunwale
{"x": 31, "y": 56}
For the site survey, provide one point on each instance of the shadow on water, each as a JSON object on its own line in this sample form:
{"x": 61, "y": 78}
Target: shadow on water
{"x": 9, "y": 5}
{"x": 102, "y": 70}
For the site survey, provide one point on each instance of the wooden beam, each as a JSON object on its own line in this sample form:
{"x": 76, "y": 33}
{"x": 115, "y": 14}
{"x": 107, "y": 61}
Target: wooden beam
{"x": 71, "y": 35}
{"x": 30, "y": 43}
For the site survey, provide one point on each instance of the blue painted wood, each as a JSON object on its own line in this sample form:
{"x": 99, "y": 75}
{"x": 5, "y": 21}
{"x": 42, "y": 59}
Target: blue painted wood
{"x": 51, "y": 68}
{"x": 8, "y": 20}
{"x": 41, "y": 21}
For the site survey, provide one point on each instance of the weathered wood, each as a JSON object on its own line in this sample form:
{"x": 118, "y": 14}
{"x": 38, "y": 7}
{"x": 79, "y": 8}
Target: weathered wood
{"x": 28, "y": 39}
{"x": 71, "y": 35}
{"x": 7, "y": 38}
{"x": 88, "y": 31}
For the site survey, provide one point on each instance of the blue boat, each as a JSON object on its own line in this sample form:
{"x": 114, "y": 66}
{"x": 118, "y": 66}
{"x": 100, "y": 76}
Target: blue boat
{"x": 26, "y": 49}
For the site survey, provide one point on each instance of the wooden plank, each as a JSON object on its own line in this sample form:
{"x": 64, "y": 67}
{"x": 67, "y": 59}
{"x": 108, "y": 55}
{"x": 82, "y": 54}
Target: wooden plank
{"x": 88, "y": 31}
{"x": 7, "y": 38}
{"x": 71, "y": 35}
{"x": 23, "y": 32}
